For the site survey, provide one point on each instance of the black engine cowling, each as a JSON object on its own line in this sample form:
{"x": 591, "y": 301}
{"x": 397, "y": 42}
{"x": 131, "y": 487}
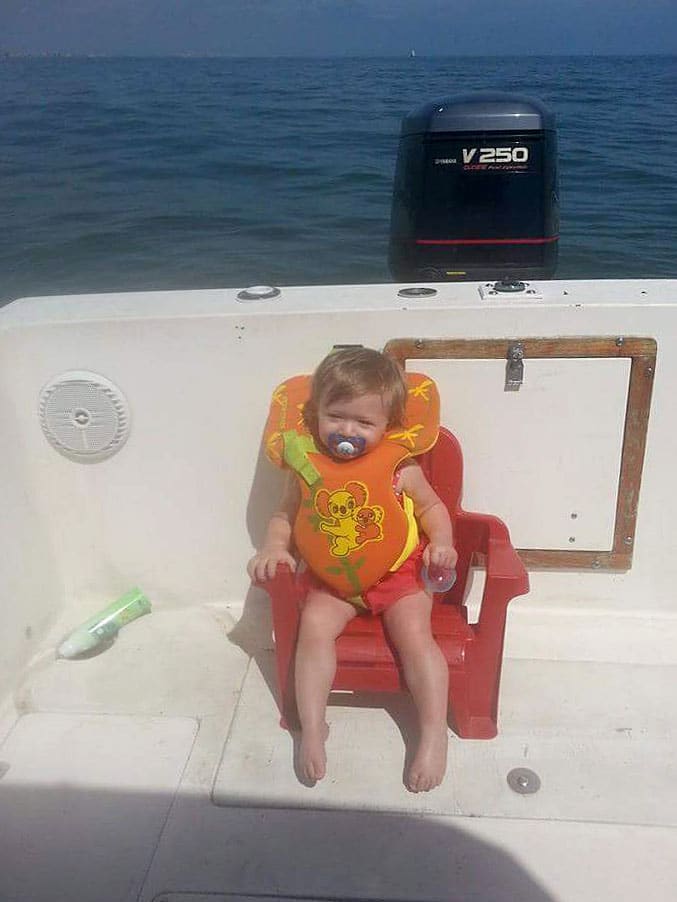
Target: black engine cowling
{"x": 476, "y": 193}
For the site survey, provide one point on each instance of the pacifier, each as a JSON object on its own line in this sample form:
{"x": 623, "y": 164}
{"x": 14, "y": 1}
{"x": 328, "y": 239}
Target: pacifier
{"x": 346, "y": 445}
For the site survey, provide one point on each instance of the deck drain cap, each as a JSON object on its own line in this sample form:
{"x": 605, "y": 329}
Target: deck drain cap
{"x": 417, "y": 292}
{"x": 258, "y": 293}
{"x": 524, "y": 781}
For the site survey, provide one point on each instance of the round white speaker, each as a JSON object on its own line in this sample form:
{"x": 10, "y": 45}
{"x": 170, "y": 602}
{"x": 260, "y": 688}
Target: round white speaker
{"x": 84, "y": 416}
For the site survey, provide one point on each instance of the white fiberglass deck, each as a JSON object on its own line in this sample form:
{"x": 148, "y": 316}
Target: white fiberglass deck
{"x": 159, "y": 765}
{"x": 157, "y": 769}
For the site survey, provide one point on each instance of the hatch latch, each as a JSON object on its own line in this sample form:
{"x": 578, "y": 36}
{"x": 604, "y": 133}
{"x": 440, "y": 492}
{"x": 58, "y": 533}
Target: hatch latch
{"x": 514, "y": 368}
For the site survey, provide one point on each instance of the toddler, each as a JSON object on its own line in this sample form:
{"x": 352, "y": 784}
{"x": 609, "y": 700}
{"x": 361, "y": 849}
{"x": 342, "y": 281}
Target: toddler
{"x": 357, "y": 395}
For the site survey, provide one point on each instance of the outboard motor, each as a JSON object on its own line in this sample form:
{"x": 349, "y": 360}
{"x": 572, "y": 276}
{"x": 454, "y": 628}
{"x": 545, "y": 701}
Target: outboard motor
{"x": 476, "y": 192}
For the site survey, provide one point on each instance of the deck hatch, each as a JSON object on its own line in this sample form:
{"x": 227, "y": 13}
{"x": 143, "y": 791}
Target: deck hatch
{"x": 574, "y": 436}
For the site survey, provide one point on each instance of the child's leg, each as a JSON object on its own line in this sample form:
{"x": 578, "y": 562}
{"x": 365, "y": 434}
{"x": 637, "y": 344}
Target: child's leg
{"x": 427, "y": 676}
{"x": 322, "y": 620}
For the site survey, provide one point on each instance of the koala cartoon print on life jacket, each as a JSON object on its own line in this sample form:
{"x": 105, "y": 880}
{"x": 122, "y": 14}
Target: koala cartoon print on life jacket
{"x": 346, "y": 517}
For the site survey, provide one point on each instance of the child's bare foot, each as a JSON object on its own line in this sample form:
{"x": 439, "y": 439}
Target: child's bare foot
{"x": 312, "y": 760}
{"x": 429, "y": 766}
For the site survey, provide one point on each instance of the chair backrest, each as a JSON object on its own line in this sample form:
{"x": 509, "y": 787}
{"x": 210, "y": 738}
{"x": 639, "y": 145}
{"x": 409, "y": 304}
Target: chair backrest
{"x": 443, "y": 467}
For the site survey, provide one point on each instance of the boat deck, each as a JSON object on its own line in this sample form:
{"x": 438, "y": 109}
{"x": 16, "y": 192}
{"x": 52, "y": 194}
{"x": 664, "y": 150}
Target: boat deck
{"x": 157, "y": 770}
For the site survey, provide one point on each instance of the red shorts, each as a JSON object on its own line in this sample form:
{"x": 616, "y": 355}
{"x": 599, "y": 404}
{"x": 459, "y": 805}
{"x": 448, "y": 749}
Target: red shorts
{"x": 406, "y": 580}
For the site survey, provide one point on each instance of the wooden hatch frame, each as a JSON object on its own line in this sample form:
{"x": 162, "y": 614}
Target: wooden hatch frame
{"x": 642, "y": 353}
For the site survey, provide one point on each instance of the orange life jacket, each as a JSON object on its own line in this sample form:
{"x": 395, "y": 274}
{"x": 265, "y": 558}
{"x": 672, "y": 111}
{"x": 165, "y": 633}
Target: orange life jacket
{"x": 350, "y": 528}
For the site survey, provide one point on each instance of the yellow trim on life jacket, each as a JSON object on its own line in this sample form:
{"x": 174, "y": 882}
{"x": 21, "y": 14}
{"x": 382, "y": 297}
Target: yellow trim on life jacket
{"x": 412, "y": 534}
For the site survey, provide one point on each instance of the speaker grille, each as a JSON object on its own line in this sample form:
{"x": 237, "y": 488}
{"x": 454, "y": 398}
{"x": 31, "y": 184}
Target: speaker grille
{"x": 84, "y": 416}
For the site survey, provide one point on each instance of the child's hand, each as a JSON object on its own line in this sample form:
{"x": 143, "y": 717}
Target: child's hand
{"x": 444, "y": 556}
{"x": 264, "y": 563}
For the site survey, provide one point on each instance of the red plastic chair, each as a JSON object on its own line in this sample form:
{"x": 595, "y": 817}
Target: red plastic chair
{"x": 474, "y": 652}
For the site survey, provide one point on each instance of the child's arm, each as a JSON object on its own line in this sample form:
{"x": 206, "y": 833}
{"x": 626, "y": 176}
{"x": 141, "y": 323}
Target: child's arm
{"x": 432, "y": 515}
{"x": 275, "y": 548}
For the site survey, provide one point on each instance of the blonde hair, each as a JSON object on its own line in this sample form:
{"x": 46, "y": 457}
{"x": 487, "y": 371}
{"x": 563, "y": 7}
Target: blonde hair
{"x": 351, "y": 372}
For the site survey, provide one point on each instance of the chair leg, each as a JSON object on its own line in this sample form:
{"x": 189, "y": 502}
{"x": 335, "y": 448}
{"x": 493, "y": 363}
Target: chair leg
{"x": 484, "y": 662}
{"x": 470, "y": 712}
{"x": 459, "y": 712}
{"x": 286, "y": 615}
{"x": 286, "y": 697}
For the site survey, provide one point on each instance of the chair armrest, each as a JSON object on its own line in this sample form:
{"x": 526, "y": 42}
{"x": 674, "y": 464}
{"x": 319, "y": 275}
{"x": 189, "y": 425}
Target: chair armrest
{"x": 477, "y": 531}
{"x": 283, "y": 587}
{"x": 506, "y": 576}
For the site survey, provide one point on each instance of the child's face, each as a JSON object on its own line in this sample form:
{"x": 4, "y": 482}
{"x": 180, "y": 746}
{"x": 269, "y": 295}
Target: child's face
{"x": 359, "y": 422}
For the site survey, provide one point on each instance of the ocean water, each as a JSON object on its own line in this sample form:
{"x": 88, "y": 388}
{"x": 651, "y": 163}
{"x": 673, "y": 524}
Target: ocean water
{"x": 130, "y": 174}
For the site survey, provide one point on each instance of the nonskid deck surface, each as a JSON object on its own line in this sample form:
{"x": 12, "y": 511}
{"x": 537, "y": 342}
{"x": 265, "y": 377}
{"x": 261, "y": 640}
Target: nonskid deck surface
{"x": 599, "y": 737}
{"x": 158, "y": 769}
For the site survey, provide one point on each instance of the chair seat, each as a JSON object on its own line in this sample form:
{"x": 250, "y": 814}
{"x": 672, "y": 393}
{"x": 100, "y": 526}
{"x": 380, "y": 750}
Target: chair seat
{"x": 364, "y": 638}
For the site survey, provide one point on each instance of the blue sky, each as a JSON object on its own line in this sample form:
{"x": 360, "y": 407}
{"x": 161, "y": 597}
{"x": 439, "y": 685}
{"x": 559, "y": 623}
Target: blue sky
{"x": 339, "y": 27}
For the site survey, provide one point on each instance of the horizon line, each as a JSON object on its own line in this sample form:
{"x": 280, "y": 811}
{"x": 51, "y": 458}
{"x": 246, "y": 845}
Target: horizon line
{"x": 65, "y": 54}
